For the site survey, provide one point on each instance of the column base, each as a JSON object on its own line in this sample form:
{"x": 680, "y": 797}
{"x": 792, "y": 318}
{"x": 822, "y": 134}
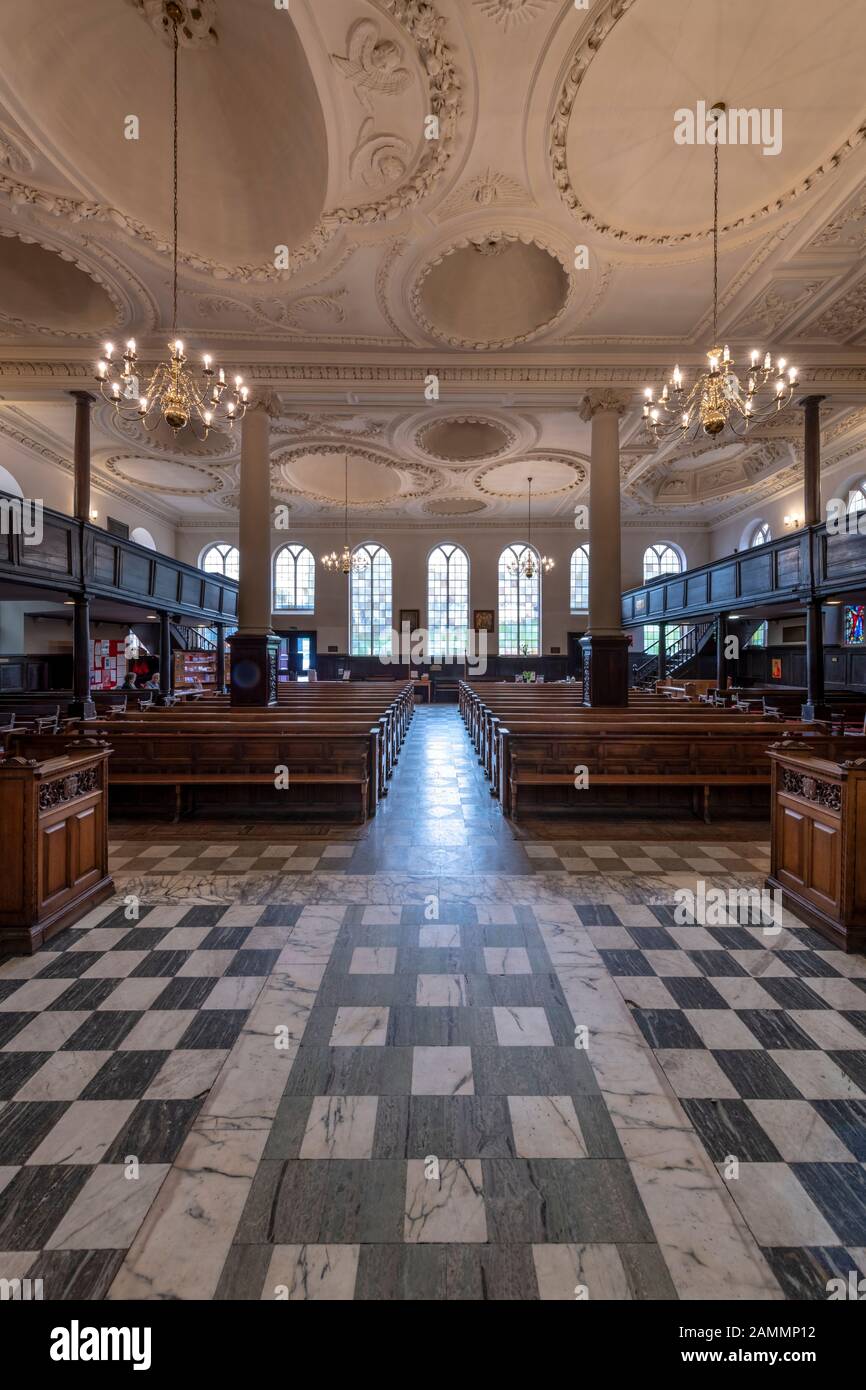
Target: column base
{"x": 254, "y": 670}
{"x": 816, "y": 710}
{"x": 605, "y": 669}
{"x": 81, "y": 709}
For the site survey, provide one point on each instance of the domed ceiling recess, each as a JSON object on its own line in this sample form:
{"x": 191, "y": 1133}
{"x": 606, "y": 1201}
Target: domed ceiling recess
{"x": 454, "y": 506}
{"x": 44, "y": 291}
{"x": 549, "y": 477}
{"x": 491, "y": 291}
{"x": 463, "y": 439}
{"x": 317, "y": 472}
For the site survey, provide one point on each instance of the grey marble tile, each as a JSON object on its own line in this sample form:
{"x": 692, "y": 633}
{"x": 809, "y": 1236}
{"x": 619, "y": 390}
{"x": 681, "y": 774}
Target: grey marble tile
{"x": 583, "y": 1200}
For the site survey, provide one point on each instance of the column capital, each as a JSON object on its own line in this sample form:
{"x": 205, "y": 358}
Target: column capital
{"x": 814, "y": 400}
{"x": 84, "y": 396}
{"x": 604, "y": 402}
{"x": 268, "y": 403}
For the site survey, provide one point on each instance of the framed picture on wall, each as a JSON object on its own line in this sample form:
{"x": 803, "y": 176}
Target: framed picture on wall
{"x": 776, "y": 668}
{"x": 412, "y": 616}
{"x": 483, "y": 620}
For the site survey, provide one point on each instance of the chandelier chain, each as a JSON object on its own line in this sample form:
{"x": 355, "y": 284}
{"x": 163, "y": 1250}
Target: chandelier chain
{"x": 175, "y": 198}
{"x": 716, "y": 234}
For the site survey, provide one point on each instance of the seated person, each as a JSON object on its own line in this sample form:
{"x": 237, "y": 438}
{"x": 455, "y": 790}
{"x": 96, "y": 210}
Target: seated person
{"x": 129, "y": 682}
{"x": 153, "y": 683}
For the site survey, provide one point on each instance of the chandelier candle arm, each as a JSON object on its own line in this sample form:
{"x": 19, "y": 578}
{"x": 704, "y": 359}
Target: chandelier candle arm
{"x": 528, "y": 565}
{"x": 172, "y": 394}
{"x": 718, "y": 400}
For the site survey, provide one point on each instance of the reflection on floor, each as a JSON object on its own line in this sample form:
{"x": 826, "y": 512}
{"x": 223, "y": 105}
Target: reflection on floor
{"x": 443, "y": 1059}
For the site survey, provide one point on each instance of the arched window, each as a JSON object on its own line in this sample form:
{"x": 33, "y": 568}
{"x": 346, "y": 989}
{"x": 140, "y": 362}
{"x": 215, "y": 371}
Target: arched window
{"x": 220, "y": 558}
{"x": 294, "y": 579}
{"x": 370, "y": 603}
{"x": 661, "y": 559}
{"x": 761, "y": 534}
{"x": 519, "y": 602}
{"x": 580, "y": 579}
{"x": 9, "y": 484}
{"x": 448, "y": 601}
{"x": 857, "y": 499}
{"x": 141, "y": 536}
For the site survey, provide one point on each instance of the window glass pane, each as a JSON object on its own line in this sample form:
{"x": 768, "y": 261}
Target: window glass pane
{"x": 519, "y": 604}
{"x": 370, "y": 611}
{"x": 295, "y": 579}
{"x": 661, "y": 559}
{"x": 222, "y": 559}
{"x": 580, "y": 579}
{"x": 448, "y": 601}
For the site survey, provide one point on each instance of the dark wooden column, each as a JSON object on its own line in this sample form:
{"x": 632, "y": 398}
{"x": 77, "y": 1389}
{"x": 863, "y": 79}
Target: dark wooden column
{"x": 165, "y": 673}
{"x": 221, "y": 658}
{"x": 812, "y": 459}
{"x": 814, "y": 708}
{"x": 83, "y": 405}
{"x": 721, "y": 664}
{"x": 663, "y": 652}
{"x": 82, "y": 704}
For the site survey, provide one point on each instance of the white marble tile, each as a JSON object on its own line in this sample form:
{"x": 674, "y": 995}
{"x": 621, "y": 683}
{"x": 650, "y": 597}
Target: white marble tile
{"x": 109, "y": 1209}
{"x": 373, "y": 960}
{"x": 565, "y": 1271}
{"x": 777, "y": 1208}
{"x": 340, "y": 1127}
{"x": 312, "y": 1272}
{"x": 798, "y": 1131}
{"x": 546, "y": 1127}
{"x": 506, "y": 960}
{"x": 133, "y": 995}
{"x": 720, "y": 1029}
{"x": 517, "y": 1026}
{"x": 63, "y": 1076}
{"x": 444, "y": 1201}
{"x": 360, "y": 1026}
{"x": 695, "y": 1075}
{"x": 235, "y": 992}
{"x": 437, "y": 935}
{"x": 33, "y": 995}
{"x": 442, "y": 1071}
{"x": 816, "y": 1076}
{"x": 84, "y": 1132}
{"x": 47, "y": 1031}
{"x": 829, "y": 1030}
{"x": 158, "y": 1030}
{"x": 186, "y": 1074}
{"x": 442, "y": 991}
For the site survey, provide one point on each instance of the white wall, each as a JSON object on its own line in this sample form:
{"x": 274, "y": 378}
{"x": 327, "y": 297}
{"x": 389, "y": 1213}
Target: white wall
{"x": 409, "y": 549}
{"x": 835, "y": 482}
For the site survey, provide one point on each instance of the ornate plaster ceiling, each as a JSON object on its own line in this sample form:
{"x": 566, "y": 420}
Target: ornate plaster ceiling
{"x": 448, "y": 293}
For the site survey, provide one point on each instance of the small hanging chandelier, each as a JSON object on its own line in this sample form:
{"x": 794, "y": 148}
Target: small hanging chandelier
{"x": 528, "y": 564}
{"x": 172, "y": 393}
{"x": 346, "y": 562}
{"x": 718, "y": 398}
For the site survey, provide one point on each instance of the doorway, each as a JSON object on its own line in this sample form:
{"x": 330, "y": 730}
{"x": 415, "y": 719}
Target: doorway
{"x": 297, "y": 655}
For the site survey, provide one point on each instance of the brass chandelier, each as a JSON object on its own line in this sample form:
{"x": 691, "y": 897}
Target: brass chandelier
{"x": 172, "y": 394}
{"x": 346, "y": 562}
{"x": 529, "y": 563}
{"x": 719, "y": 399}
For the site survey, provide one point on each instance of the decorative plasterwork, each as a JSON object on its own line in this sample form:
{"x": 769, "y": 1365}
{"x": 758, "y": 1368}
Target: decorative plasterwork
{"x": 846, "y": 318}
{"x": 211, "y": 481}
{"x": 421, "y": 480}
{"x": 164, "y": 442}
{"x": 775, "y": 305}
{"x": 578, "y": 467}
{"x": 424, "y": 26}
{"x": 489, "y": 243}
{"x": 197, "y": 28}
{"x": 846, "y": 228}
{"x": 585, "y": 51}
{"x": 510, "y": 14}
{"x": 16, "y": 151}
{"x": 454, "y": 506}
{"x": 82, "y": 264}
{"x": 372, "y": 64}
{"x": 302, "y": 422}
{"x": 495, "y": 430}
{"x": 487, "y": 190}
{"x": 393, "y": 252}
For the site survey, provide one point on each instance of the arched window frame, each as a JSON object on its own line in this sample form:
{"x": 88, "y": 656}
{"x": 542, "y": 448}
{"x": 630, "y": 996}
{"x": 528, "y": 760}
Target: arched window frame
{"x": 371, "y": 603}
{"x": 761, "y": 535}
{"x": 226, "y": 562}
{"x": 519, "y": 604}
{"x": 857, "y": 498}
{"x": 661, "y": 558}
{"x": 448, "y": 638}
{"x": 298, "y": 584}
{"x": 579, "y": 579}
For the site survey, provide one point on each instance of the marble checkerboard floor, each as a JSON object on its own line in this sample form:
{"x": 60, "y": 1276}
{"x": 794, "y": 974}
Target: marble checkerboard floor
{"x": 436, "y": 1081}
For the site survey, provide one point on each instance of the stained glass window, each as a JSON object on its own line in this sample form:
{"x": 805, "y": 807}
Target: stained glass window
{"x": 580, "y": 579}
{"x": 519, "y": 604}
{"x": 222, "y": 559}
{"x": 854, "y": 614}
{"x": 661, "y": 559}
{"x": 759, "y": 636}
{"x": 448, "y": 601}
{"x": 370, "y": 603}
{"x": 294, "y": 579}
